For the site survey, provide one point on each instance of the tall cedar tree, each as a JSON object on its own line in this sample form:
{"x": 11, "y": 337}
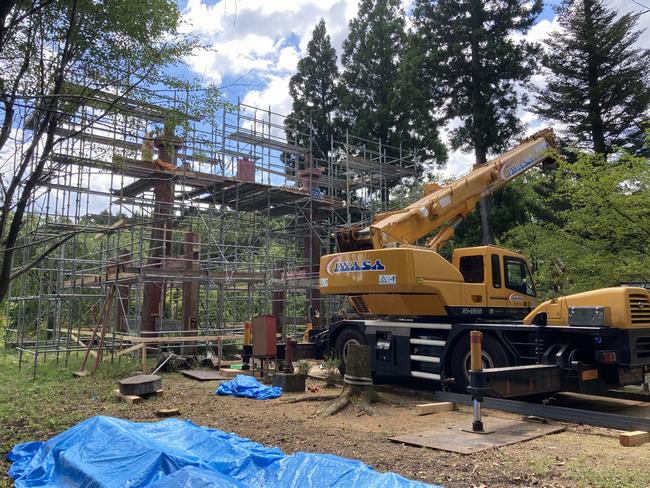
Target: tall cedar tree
{"x": 597, "y": 81}
{"x": 313, "y": 89}
{"x": 376, "y": 95}
{"x": 475, "y": 59}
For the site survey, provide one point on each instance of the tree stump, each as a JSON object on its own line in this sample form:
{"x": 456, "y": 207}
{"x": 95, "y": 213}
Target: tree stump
{"x": 358, "y": 388}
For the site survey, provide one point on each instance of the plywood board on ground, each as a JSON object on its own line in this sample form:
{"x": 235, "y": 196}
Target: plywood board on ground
{"x": 450, "y": 436}
{"x": 202, "y": 375}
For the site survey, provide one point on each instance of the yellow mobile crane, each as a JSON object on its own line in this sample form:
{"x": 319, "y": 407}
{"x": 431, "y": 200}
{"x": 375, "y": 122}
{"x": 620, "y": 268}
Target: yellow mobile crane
{"x": 417, "y": 308}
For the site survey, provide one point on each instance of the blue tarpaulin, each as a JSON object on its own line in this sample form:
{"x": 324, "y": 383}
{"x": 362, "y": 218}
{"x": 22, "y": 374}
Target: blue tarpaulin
{"x": 110, "y": 452}
{"x": 248, "y": 387}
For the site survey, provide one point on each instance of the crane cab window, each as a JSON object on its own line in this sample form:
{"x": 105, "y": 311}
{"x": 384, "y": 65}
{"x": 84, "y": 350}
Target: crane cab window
{"x": 471, "y": 267}
{"x": 518, "y": 277}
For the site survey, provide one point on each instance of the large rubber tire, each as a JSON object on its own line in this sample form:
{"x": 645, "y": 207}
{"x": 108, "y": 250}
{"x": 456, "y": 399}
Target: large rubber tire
{"x": 349, "y": 335}
{"x": 493, "y": 353}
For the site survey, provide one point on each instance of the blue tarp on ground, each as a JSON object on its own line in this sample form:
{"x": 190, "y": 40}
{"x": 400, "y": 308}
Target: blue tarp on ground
{"x": 110, "y": 452}
{"x": 248, "y": 387}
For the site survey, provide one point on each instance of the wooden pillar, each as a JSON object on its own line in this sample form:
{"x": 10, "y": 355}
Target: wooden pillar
{"x": 160, "y": 245}
{"x": 161, "y": 233}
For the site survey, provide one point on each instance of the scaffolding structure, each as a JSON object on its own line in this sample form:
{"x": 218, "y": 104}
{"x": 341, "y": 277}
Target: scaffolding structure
{"x": 182, "y": 225}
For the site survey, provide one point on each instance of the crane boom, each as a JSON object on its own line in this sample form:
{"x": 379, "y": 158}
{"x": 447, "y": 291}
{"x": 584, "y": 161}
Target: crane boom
{"x": 444, "y": 207}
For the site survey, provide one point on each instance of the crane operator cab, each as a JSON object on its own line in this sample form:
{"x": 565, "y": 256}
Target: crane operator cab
{"x": 497, "y": 284}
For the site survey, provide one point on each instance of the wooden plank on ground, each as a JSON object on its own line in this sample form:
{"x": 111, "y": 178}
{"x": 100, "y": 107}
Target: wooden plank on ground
{"x": 131, "y": 349}
{"x": 632, "y": 439}
{"x": 132, "y": 399}
{"x": 429, "y": 408}
{"x": 152, "y": 340}
{"x": 202, "y": 375}
{"x": 76, "y": 339}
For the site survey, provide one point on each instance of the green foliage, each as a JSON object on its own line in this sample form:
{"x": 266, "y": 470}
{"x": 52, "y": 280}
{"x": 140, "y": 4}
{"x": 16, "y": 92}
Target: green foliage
{"x": 418, "y": 121}
{"x": 597, "y": 80}
{"x": 304, "y": 367}
{"x": 58, "y": 56}
{"x": 599, "y": 235}
{"x": 507, "y": 210}
{"x": 108, "y": 42}
{"x": 315, "y": 101}
{"x": 473, "y": 62}
{"x": 37, "y": 410}
{"x": 371, "y": 59}
{"x": 379, "y": 97}
{"x": 330, "y": 365}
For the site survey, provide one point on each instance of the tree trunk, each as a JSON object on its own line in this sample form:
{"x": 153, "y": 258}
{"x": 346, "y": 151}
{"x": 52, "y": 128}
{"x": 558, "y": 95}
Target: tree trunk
{"x": 484, "y": 204}
{"x": 596, "y": 126}
{"x": 358, "y": 387}
{"x": 478, "y": 128}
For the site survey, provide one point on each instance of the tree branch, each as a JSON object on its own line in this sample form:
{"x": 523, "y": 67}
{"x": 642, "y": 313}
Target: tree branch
{"x": 44, "y": 255}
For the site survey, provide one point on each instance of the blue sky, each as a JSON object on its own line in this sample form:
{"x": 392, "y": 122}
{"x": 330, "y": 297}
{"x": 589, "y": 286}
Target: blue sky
{"x": 257, "y": 44}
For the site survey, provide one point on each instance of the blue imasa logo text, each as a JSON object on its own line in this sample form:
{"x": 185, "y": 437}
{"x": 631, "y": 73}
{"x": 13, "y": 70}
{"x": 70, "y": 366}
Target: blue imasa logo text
{"x": 345, "y": 267}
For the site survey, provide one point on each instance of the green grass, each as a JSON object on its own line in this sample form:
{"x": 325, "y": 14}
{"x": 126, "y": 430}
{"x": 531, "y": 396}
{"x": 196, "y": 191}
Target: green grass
{"x": 37, "y": 410}
{"x": 541, "y": 465}
{"x": 585, "y": 475}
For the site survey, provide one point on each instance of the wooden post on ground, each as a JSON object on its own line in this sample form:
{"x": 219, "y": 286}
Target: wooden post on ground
{"x": 144, "y": 358}
{"x": 105, "y": 325}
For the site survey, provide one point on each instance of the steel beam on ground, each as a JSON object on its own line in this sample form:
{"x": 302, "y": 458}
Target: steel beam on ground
{"x": 562, "y": 414}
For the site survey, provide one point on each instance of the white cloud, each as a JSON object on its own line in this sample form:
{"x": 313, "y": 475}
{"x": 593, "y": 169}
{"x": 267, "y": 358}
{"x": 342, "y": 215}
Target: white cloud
{"x": 10, "y": 154}
{"x": 266, "y": 38}
{"x": 288, "y": 59}
{"x": 258, "y": 36}
{"x": 274, "y": 96}
{"x": 539, "y": 31}
{"x": 236, "y": 57}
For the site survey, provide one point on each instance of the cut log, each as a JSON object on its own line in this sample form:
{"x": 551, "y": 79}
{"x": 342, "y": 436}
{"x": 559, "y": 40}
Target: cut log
{"x": 143, "y": 384}
{"x": 167, "y": 412}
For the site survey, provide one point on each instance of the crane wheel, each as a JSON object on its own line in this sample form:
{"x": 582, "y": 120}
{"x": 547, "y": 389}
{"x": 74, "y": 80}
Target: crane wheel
{"x": 493, "y": 353}
{"x": 349, "y": 335}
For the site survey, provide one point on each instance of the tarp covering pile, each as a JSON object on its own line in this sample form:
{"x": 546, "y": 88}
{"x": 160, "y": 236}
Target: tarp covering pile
{"x": 248, "y": 387}
{"x": 110, "y": 452}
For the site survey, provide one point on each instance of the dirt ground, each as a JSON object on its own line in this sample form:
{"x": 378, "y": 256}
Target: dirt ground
{"x": 579, "y": 456}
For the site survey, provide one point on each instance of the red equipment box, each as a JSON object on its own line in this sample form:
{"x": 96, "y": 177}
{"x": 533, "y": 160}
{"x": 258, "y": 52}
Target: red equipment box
{"x": 264, "y": 331}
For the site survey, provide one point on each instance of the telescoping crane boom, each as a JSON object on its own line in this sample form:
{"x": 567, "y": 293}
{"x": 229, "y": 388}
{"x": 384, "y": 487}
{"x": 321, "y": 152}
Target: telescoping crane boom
{"x": 416, "y": 308}
{"x": 444, "y": 207}
{"x": 384, "y": 273}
